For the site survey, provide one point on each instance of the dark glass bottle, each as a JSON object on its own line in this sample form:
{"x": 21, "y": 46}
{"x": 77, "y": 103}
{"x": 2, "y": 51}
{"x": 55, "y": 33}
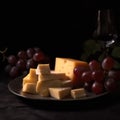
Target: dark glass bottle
{"x": 106, "y": 30}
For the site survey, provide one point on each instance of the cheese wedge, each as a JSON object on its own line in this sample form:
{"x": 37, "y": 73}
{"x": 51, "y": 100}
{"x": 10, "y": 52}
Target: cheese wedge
{"x": 78, "y": 93}
{"x": 59, "y": 93}
{"x": 43, "y": 69}
{"x": 67, "y": 66}
{"x": 29, "y": 88}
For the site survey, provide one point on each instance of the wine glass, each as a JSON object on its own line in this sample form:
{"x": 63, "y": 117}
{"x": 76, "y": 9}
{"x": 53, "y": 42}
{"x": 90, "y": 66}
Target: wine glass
{"x": 106, "y": 32}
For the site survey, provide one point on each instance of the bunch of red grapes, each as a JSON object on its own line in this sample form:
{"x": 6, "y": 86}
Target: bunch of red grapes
{"x": 24, "y": 60}
{"x": 100, "y": 76}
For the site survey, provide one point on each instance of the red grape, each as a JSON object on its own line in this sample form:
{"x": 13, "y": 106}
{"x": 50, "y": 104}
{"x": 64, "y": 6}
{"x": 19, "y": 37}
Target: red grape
{"x": 114, "y": 74}
{"x": 14, "y": 72}
{"x": 38, "y": 57}
{"x": 108, "y": 63}
{"x": 22, "y": 54}
{"x": 12, "y": 59}
{"x": 79, "y": 70}
{"x": 94, "y": 65}
{"x": 21, "y": 64}
{"x": 30, "y": 52}
{"x": 86, "y": 76}
{"x": 88, "y": 86}
{"x": 110, "y": 84}
{"x": 30, "y": 64}
{"x": 97, "y": 87}
{"x": 8, "y": 68}
{"x": 98, "y": 75}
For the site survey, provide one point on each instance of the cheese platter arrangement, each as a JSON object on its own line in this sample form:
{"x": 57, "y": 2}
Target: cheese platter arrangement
{"x": 71, "y": 80}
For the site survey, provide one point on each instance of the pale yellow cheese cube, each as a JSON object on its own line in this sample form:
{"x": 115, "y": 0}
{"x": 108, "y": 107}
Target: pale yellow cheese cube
{"x": 44, "y": 92}
{"x": 60, "y": 93}
{"x": 26, "y": 79}
{"x": 78, "y": 93}
{"x": 29, "y": 88}
{"x": 43, "y": 69}
{"x": 32, "y": 73}
{"x": 31, "y": 77}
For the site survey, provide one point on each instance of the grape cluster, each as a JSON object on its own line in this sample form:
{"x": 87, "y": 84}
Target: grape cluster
{"x": 19, "y": 63}
{"x": 100, "y": 76}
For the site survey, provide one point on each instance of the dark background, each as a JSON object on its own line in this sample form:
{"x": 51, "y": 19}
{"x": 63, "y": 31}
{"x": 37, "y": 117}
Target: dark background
{"x": 58, "y": 31}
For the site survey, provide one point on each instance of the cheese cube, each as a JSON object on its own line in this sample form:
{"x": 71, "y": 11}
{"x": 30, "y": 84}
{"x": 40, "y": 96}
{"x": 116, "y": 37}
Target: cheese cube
{"x": 43, "y": 69}
{"x": 44, "y": 92}
{"x": 31, "y": 77}
{"x": 78, "y": 93}
{"x": 32, "y": 73}
{"x": 29, "y": 88}
{"x": 59, "y": 93}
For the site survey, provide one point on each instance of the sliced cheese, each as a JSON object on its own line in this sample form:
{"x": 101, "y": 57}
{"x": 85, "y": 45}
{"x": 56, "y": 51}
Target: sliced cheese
{"x": 43, "y": 69}
{"x": 78, "y": 93}
{"x": 29, "y": 88}
{"x": 67, "y": 66}
{"x": 52, "y": 76}
{"x": 59, "y": 93}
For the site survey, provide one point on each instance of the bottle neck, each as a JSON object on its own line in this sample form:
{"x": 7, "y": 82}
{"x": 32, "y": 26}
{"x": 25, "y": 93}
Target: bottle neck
{"x": 105, "y": 24}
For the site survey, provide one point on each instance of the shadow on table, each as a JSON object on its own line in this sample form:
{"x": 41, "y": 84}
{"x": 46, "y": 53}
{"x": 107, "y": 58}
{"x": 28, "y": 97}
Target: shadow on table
{"x": 96, "y": 103}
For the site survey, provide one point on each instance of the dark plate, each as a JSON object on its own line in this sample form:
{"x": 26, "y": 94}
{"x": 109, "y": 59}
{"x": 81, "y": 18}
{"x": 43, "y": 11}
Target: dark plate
{"x": 15, "y": 87}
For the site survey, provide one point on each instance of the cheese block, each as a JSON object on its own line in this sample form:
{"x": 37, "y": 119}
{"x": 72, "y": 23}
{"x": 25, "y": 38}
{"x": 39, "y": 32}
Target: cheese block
{"x": 31, "y": 77}
{"x": 67, "y": 66}
{"x": 43, "y": 69}
{"x": 78, "y": 93}
{"x": 42, "y": 86}
{"x": 29, "y": 88}
{"x": 52, "y": 76}
{"x": 60, "y": 93}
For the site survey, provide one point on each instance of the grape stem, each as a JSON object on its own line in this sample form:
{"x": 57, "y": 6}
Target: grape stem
{"x": 3, "y": 53}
